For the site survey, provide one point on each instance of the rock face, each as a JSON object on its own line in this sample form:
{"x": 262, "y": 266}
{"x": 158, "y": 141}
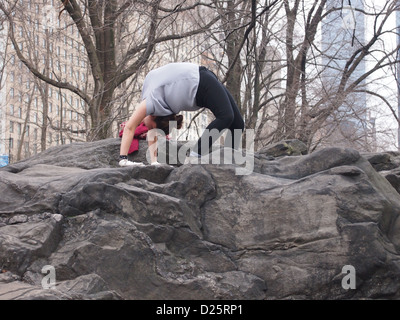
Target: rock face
{"x": 292, "y": 147}
{"x": 284, "y": 231}
{"x": 388, "y": 165}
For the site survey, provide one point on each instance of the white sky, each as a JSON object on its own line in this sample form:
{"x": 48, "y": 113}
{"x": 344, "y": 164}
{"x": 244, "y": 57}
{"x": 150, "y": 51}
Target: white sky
{"x": 385, "y": 121}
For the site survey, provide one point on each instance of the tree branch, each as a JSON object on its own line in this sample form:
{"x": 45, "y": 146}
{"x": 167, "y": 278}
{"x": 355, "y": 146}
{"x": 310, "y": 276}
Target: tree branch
{"x": 252, "y": 24}
{"x": 151, "y": 42}
{"x": 29, "y": 65}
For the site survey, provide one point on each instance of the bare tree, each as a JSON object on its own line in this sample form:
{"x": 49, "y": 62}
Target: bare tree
{"x": 96, "y": 22}
{"x": 349, "y": 80}
{"x": 267, "y": 52}
{"x": 274, "y": 63}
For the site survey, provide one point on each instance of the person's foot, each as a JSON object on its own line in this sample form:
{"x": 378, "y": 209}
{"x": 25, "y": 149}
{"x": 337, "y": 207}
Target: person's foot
{"x": 127, "y": 163}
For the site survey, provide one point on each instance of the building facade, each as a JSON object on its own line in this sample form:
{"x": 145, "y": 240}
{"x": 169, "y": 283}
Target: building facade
{"x": 35, "y": 115}
{"x": 343, "y": 32}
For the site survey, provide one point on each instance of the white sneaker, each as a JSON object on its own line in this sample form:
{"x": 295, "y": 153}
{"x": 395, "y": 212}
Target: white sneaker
{"x": 127, "y": 163}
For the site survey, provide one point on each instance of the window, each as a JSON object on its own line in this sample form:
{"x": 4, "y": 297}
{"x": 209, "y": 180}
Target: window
{"x": 11, "y": 127}
{"x": 11, "y": 109}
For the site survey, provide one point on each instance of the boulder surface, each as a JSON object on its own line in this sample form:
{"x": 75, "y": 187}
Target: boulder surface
{"x": 288, "y": 230}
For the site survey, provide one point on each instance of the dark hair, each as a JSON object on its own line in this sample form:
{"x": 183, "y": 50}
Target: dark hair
{"x": 162, "y": 122}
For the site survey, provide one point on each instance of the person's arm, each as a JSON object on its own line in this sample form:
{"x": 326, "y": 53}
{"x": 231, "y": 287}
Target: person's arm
{"x": 152, "y": 142}
{"x": 129, "y": 130}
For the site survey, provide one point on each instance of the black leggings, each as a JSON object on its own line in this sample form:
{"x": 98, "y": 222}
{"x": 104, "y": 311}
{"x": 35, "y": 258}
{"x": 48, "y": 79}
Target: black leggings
{"x": 212, "y": 95}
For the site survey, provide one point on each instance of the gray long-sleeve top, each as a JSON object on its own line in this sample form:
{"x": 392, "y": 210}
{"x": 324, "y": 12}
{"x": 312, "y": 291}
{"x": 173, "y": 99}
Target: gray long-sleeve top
{"x": 171, "y": 88}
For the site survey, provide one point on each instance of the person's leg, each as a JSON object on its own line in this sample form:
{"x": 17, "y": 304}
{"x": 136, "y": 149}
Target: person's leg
{"x": 213, "y": 96}
{"x": 237, "y": 123}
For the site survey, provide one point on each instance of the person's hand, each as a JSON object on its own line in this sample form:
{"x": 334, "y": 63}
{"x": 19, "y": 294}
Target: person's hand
{"x": 127, "y": 163}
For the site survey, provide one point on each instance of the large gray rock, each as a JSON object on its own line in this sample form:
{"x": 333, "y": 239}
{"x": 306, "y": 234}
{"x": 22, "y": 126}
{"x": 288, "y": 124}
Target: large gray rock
{"x": 284, "y": 231}
{"x": 292, "y": 147}
{"x": 388, "y": 165}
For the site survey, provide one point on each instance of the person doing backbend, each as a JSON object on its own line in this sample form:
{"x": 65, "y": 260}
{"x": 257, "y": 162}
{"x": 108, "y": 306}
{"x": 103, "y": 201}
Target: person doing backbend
{"x": 178, "y": 87}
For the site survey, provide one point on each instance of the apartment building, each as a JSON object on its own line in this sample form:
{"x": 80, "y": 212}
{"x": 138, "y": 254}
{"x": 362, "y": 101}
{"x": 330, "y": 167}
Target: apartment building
{"x": 342, "y": 33}
{"x": 34, "y": 115}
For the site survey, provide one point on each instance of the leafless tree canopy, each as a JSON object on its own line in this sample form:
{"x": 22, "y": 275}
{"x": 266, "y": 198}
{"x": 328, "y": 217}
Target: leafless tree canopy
{"x": 296, "y": 69}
